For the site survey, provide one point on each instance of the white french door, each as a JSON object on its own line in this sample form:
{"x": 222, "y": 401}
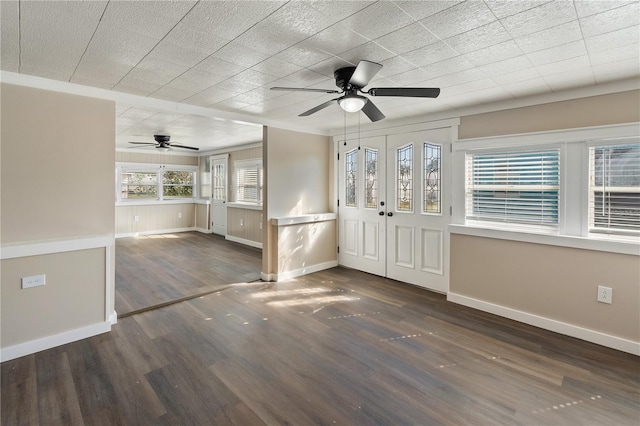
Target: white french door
{"x": 394, "y": 206}
{"x": 362, "y": 205}
{"x": 219, "y": 175}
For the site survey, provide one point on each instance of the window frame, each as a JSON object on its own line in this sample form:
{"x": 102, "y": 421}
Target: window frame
{"x": 159, "y": 170}
{"x": 573, "y": 226}
{"x": 249, "y": 164}
{"x": 552, "y": 228}
{"x": 592, "y": 231}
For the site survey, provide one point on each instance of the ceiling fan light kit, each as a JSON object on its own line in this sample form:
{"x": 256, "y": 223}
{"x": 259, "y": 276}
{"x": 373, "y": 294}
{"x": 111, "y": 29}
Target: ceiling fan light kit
{"x": 352, "y": 80}
{"x": 352, "y": 102}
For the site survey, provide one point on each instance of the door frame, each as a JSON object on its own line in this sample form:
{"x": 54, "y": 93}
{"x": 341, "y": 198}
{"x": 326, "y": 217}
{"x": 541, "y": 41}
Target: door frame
{"x": 212, "y": 202}
{"x": 355, "y": 133}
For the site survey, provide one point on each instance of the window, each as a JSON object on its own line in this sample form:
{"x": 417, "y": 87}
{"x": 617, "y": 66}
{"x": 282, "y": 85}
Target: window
{"x": 431, "y": 179}
{"x": 177, "y": 184}
{"x": 147, "y": 182}
{"x": 614, "y": 189}
{"x": 248, "y": 181}
{"x": 371, "y": 178}
{"x": 351, "y": 180}
{"x": 513, "y": 187}
{"x": 138, "y": 185}
{"x": 404, "y": 179}
{"x": 219, "y": 181}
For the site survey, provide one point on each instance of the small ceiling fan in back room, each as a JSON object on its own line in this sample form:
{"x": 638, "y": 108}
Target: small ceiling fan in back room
{"x": 351, "y": 81}
{"x": 162, "y": 143}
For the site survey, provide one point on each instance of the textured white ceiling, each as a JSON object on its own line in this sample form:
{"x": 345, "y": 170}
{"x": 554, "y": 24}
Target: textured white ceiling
{"x": 225, "y": 55}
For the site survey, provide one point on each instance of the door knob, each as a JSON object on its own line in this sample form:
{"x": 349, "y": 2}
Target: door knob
{"x": 390, "y": 214}
{"x": 380, "y": 213}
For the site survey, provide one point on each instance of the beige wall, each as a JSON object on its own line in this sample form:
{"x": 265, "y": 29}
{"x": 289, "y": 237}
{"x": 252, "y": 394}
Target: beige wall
{"x": 56, "y": 183}
{"x": 73, "y": 296}
{"x": 202, "y": 217}
{"x": 154, "y": 217}
{"x": 559, "y": 283}
{"x": 305, "y": 245}
{"x": 615, "y": 108}
{"x": 552, "y": 282}
{"x": 57, "y": 165}
{"x": 297, "y": 180}
{"x": 244, "y": 224}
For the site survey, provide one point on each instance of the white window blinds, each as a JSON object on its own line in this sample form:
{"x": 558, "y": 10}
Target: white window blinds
{"x": 514, "y": 187}
{"x": 614, "y": 189}
{"x": 248, "y": 181}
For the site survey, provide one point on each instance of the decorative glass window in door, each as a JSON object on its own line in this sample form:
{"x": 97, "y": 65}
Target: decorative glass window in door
{"x": 351, "y": 178}
{"x": 371, "y": 178}
{"x": 219, "y": 182}
{"x": 404, "y": 177}
{"x": 431, "y": 179}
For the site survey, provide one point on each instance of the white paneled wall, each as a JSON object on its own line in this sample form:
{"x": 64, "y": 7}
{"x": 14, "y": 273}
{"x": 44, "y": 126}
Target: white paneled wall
{"x": 154, "y": 218}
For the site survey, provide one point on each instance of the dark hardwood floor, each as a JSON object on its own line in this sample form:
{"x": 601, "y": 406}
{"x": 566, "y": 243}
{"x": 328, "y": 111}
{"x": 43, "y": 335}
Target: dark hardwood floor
{"x": 335, "y": 347}
{"x": 158, "y": 269}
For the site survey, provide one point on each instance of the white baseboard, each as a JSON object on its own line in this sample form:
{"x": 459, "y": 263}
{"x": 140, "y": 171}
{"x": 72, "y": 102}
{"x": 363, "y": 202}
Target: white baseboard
{"x": 299, "y": 272}
{"x": 113, "y": 318}
{"x": 203, "y": 230}
{"x": 37, "y": 345}
{"x": 578, "y": 332}
{"x": 155, "y": 232}
{"x": 243, "y": 241}
{"x": 268, "y": 277}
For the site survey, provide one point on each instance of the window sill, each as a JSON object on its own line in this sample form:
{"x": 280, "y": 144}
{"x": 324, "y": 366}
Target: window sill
{"x": 156, "y": 202}
{"x": 597, "y": 244}
{"x": 248, "y": 206}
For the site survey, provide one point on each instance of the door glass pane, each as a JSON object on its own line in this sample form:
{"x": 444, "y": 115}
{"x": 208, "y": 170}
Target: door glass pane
{"x": 404, "y": 175}
{"x": 219, "y": 185}
{"x": 351, "y": 178}
{"x": 371, "y": 178}
{"x": 431, "y": 184}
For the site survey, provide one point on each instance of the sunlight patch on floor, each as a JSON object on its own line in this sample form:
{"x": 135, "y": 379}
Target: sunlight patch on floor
{"x": 312, "y": 301}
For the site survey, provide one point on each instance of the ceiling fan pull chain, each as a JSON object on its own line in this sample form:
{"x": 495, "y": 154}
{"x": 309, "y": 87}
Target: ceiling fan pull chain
{"x": 358, "y": 130}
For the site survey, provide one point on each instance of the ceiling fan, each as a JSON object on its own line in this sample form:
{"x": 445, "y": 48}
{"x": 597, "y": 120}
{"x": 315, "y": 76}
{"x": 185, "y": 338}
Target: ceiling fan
{"x": 351, "y": 80}
{"x": 162, "y": 143}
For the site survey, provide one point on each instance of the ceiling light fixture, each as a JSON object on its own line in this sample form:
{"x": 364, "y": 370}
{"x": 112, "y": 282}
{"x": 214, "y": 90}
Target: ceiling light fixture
{"x": 352, "y": 102}
{"x": 163, "y": 148}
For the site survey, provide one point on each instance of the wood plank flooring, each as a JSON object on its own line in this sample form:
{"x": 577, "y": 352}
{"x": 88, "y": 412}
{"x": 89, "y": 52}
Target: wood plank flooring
{"x": 155, "y": 270}
{"x": 335, "y": 347}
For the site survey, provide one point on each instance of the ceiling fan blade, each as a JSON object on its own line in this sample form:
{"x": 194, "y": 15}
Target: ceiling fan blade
{"x": 363, "y": 73}
{"x": 412, "y": 92}
{"x": 304, "y": 89}
{"x": 318, "y": 108}
{"x": 172, "y": 145}
{"x": 143, "y": 143}
{"x": 372, "y": 111}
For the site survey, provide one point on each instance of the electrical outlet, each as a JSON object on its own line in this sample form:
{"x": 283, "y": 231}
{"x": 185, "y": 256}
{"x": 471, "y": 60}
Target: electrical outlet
{"x": 605, "y": 294}
{"x": 136, "y": 218}
{"x": 241, "y": 222}
{"x": 33, "y": 281}
{"x": 180, "y": 215}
